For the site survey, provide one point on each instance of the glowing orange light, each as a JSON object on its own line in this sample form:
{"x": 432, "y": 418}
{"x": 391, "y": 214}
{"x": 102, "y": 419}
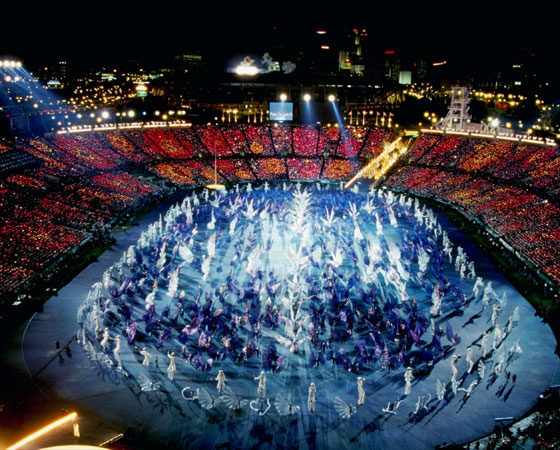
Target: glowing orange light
{"x": 43, "y": 431}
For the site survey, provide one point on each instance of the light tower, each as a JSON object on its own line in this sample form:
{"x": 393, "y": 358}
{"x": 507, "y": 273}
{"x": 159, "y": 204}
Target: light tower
{"x": 458, "y": 114}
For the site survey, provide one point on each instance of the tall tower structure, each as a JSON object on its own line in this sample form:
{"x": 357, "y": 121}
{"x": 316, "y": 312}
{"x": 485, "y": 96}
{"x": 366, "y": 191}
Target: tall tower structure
{"x": 458, "y": 113}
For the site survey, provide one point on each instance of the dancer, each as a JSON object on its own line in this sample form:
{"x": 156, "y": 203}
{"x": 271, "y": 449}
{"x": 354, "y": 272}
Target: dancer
{"x": 495, "y": 310}
{"x": 484, "y": 343}
{"x": 171, "y": 368}
{"x": 261, "y": 388}
{"x": 408, "y": 377}
{"x": 117, "y": 351}
{"x": 146, "y": 355}
{"x": 477, "y": 285}
{"x": 105, "y": 339}
{"x": 361, "y": 392}
{"x": 481, "y": 369}
{"x": 285, "y": 407}
{"x": 221, "y": 379}
{"x": 498, "y": 335}
{"x": 311, "y": 398}
{"x": 440, "y": 390}
{"x": 344, "y": 410}
{"x": 469, "y": 390}
{"x": 469, "y": 359}
{"x": 516, "y": 348}
{"x": 232, "y": 400}
{"x": 454, "y": 369}
{"x": 392, "y": 409}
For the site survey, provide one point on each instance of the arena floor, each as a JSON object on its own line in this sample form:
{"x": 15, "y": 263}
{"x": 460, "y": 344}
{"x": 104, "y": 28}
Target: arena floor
{"x": 162, "y": 414}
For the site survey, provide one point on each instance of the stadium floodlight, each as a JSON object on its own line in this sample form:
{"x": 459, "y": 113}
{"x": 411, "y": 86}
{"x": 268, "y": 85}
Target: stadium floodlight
{"x": 18, "y": 64}
{"x": 306, "y": 97}
{"x": 283, "y": 97}
{"x": 331, "y": 98}
{"x": 131, "y": 113}
{"x": 246, "y": 70}
{"x": 105, "y": 114}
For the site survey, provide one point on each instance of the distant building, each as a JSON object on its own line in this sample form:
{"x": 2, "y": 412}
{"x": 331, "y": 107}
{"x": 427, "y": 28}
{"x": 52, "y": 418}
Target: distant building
{"x": 351, "y": 58}
{"x": 188, "y": 62}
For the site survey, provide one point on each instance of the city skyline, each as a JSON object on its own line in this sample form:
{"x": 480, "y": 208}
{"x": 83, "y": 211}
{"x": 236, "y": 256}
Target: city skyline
{"x": 106, "y": 36}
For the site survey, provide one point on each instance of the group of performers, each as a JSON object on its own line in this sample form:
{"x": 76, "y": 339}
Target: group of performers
{"x": 291, "y": 276}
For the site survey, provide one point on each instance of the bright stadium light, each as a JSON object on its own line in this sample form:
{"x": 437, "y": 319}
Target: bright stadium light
{"x": 246, "y": 70}
{"x": 131, "y": 113}
{"x": 18, "y": 64}
{"x": 331, "y": 98}
{"x": 105, "y": 114}
{"x": 306, "y": 97}
{"x": 283, "y": 97}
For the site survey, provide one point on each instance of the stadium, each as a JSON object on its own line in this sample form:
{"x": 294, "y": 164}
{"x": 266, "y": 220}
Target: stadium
{"x": 283, "y": 286}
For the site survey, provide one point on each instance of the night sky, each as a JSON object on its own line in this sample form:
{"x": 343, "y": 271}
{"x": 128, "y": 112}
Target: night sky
{"x": 107, "y": 33}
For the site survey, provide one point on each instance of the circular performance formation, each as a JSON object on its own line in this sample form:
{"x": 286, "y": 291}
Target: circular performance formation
{"x": 311, "y": 316}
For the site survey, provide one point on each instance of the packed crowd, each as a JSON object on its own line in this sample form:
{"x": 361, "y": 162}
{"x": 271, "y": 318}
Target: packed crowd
{"x": 72, "y": 189}
{"x": 85, "y": 179}
{"x": 527, "y": 166}
{"x": 56, "y": 190}
{"x": 494, "y": 182}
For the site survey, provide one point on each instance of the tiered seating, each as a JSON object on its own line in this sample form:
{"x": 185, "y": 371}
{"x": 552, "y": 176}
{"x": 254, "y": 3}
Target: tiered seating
{"x": 259, "y": 139}
{"x": 189, "y": 140}
{"x": 305, "y": 141}
{"x": 374, "y": 142}
{"x": 164, "y": 143}
{"x": 235, "y": 169}
{"x": 76, "y": 153}
{"x": 118, "y": 142}
{"x": 351, "y": 141}
{"x": 269, "y": 168}
{"x": 304, "y": 169}
{"x": 213, "y": 140}
{"x": 328, "y": 140}
{"x": 236, "y": 139}
{"x": 282, "y": 139}
{"x": 492, "y": 180}
{"x": 78, "y": 182}
{"x": 524, "y": 165}
{"x": 339, "y": 169}
{"x": 14, "y": 159}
